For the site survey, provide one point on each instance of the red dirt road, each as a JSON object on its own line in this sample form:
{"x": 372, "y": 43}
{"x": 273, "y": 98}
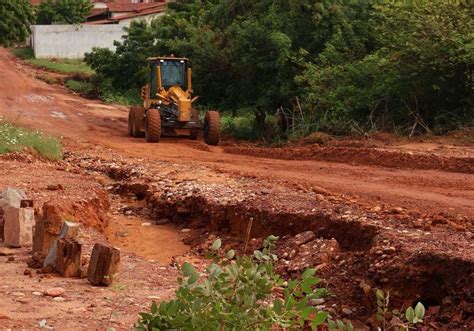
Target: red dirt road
{"x": 33, "y": 103}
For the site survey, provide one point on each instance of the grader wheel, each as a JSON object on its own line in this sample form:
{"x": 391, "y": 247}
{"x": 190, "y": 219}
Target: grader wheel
{"x": 135, "y": 116}
{"x": 153, "y": 126}
{"x": 212, "y": 128}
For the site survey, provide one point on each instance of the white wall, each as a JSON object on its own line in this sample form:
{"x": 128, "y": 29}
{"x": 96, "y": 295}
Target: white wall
{"x": 73, "y": 41}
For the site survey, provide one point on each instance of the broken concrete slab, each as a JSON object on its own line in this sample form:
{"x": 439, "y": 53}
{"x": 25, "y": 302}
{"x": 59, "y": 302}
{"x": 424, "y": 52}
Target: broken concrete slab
{"x": 47, "y": 229}
{"x": 103, "y": 264}
{"x": 68, "y": 259}
{"x": 18, "y": 227}
{"x": 11, "y": 197}
{"x": 69, "y": 230}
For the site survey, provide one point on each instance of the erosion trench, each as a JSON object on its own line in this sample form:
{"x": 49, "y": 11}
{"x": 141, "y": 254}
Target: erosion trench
{"x": 355, "y": 251}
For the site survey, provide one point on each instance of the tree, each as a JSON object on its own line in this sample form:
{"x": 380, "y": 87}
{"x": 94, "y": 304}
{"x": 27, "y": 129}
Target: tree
{"x": 63, "y": 11}
{"x": 15, "y": 20}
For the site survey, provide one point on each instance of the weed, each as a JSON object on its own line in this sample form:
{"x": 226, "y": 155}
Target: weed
{"x": 13, "y": 138}
{"x": 66, "y": 66}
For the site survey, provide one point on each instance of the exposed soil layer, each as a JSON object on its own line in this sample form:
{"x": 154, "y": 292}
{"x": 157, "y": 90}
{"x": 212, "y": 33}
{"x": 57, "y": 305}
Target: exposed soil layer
{"x": 354, "y": 249}
{"x": 362, "y": 155}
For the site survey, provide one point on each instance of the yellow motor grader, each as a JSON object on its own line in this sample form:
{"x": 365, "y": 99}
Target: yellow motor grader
{"x": 167, "y": 105}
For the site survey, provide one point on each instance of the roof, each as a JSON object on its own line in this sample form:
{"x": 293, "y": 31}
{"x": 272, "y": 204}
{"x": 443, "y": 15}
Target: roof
{"x": 132, "y": 7}
{"x": 145, "y": 12}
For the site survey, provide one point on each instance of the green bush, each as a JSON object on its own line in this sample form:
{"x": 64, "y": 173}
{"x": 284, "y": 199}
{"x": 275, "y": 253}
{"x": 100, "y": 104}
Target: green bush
{"x": 65, "y": 66}
{"x": 13, "y": 138}
{"x": 236, "y": 293}
{"x": 243, "y": 126}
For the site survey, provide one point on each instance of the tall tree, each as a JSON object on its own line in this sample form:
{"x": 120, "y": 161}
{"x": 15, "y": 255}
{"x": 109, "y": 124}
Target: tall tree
{"x": 63, "y": 11}
{"x": 15, "y": 20}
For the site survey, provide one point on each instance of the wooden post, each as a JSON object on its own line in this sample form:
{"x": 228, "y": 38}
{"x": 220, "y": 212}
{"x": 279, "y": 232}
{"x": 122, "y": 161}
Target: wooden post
{"x": 103, "y": 264}
{"x": 68, "y": 259}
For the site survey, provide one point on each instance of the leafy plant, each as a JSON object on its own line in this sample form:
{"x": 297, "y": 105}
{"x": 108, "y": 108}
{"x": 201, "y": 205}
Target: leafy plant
{"x": 238, "y": 293}
{"x": 399, "y": 321}
{"x": 63, "y": 11}
{"x": 16, "y": 18}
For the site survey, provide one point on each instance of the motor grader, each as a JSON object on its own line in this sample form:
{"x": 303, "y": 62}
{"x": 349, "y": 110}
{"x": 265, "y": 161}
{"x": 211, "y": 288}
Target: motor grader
{"x": 168, "y": 105}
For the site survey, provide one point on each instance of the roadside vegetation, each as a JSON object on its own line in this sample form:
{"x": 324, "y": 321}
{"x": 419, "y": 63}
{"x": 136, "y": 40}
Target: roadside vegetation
{"x": 14, "y": 138}
{"x": 245, "y": 293}
{"x": 341, "y": 67}
{"x": 65, "y": 66}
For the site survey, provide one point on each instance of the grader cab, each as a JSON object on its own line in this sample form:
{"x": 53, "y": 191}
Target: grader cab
{"x": 168, "y": 105}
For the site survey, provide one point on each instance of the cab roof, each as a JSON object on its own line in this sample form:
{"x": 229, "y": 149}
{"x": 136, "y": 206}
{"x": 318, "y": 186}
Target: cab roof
{"x": 168, "y": 58}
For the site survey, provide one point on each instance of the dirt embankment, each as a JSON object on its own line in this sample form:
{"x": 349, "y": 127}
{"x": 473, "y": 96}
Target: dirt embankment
{"x": 355, "y": 248}
{"x": 362, "y": 156}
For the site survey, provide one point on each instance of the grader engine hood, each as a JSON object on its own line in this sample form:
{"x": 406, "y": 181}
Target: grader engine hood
{"x": 183, "y": 100}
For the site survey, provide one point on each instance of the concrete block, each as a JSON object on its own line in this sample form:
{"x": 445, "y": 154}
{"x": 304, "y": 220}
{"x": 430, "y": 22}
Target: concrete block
{"x": 103, "y": 265}
{"x": 69, "y": 230}
{"x": 18, "y": 228}
{"x": 68, "y": 259}
{"x": 11, "y": 197}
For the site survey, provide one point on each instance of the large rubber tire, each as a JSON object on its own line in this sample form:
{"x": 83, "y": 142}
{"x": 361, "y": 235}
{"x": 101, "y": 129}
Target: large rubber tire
{"x": 153, "y": 126}
{"x": 135, "y": 119}
{"x": 212, "y": 128}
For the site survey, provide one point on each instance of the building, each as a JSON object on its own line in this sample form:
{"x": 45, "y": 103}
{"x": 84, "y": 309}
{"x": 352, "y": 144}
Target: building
{"x": 124, "y": 13}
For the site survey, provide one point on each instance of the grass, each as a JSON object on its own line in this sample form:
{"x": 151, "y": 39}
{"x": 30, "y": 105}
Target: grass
{"x": 65, "y": 66}
{"x": 14, "y": 138}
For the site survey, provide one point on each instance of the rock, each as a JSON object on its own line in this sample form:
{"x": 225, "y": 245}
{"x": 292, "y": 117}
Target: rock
{"x": 346, "y": 311}
{"x": 266, "y": 191}
{"x": 55, "y": 187}
{"x": 36, "y": 293}
{"x": 146, "y": 224}
{"x": 304, "y": 237}
{"x": 389, "y": 250}
{"x": 11, "y": 197}
{"x": 316, "y": 302}
{"x": 18, "y": 227}
{"x": 376, "y": 209}
{"x": 162, "y": 221}
{"x": 27, "y": 272}
{"x": 320, "y": 190}
{"x": 69, "y": 230}
{"x": 27, "y": 203}
{"x": 5, "y": 251}
{"x": 103, "y": 264}
{"x": 68, "y": 258}
{"x": 59, "y": 299}
{"x": 54, "y": 292}
{"x": 11, "y": 259}
{"x": 18, "y": 294}
{"x": 185, "y": 230}
{"x": 396, "y": 210}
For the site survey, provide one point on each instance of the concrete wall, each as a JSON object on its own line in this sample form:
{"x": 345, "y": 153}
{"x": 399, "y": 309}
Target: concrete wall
{"x": 73, "y": 41}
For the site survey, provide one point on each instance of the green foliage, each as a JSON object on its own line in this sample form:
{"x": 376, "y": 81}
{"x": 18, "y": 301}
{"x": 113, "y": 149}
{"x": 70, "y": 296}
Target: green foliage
{"x": 15, "y": 20}
{"x": 13, "y": 138}
{"x": 399, "y": 321}
{"x": 65, "y": 66}
{"x": 235, "y": 293}
{"x": 417, "y": 77}
{"x": 63, "y": 11}
{"x": 243, "y": 125}
{"x": 356, "y": 66}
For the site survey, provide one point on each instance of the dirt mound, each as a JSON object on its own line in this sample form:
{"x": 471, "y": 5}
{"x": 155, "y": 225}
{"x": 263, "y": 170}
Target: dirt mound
{"x": 362, "y": 156}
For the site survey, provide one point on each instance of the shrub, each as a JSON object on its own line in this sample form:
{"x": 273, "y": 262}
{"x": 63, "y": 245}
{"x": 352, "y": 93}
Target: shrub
{"x": 13, "y": 138}
{"x": 236, "y": 293}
